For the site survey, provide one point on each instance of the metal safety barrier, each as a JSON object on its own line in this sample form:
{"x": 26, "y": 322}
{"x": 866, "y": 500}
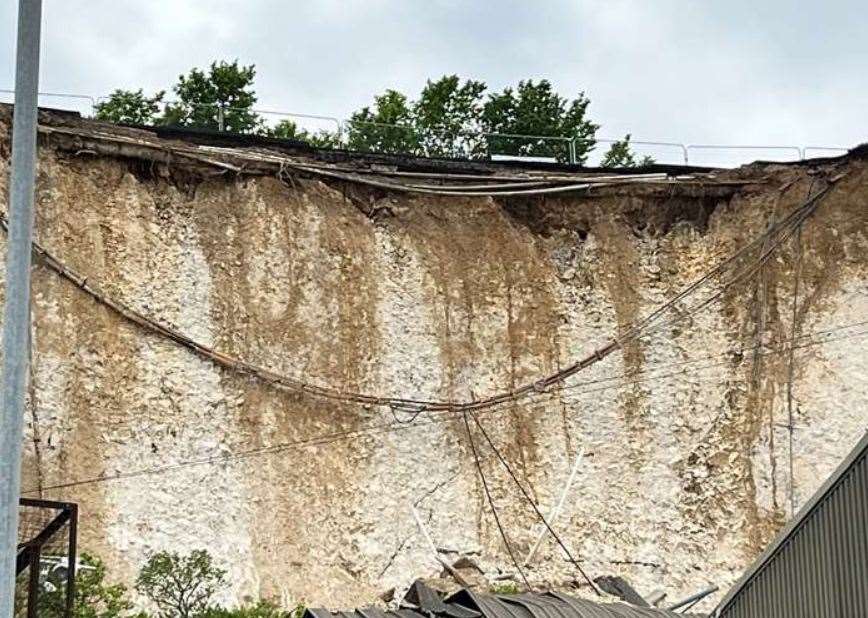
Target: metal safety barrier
{"x": 471, "y": 143}
{"x": 61, "y": 95}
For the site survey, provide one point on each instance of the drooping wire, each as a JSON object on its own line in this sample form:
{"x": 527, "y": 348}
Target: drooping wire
{"x": 761, "y": 350}
{"x": 530, "y": 501}
{"x": 412, "y": 412}
{"x": 797, "y": 276}
{"x": 541, "y": 401}
{"x": 490, "y": 500}
{"x": 785, "y": 227}
{"x": 788, "y": 223}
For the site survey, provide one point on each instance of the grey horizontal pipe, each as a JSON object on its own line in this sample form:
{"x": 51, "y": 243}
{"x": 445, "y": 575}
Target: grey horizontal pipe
{"x": 693, "y": 598}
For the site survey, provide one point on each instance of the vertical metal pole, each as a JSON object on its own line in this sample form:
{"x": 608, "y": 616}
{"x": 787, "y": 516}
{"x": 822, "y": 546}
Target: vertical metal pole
{"x": 221, "y": 123}
{"x": 16, "y": 317}
{"x": 33, "y": 582}
{"x": 73, "y": 559}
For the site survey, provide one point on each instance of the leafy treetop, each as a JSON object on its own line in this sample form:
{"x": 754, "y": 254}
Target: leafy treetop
{"x": 287, "y": 129}
{"x": 201, "y": 96}
{"x": 446, "y": 116}
{"x": 94, "y": 597}
{"x": 129, "y": 107}
{"x": 535, "y": 109}
{"x": 450, "y": 118}
{"x": 388, "y": 127}
{"x": 181, "y": 586}
{"x": 620, "y": 155}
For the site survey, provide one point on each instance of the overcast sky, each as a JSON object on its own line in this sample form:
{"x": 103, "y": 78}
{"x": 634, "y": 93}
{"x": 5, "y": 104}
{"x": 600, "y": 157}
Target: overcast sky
{"x": 755, "y": 72}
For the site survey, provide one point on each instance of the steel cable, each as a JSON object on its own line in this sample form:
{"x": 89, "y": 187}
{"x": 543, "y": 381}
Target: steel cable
{"x": 541, "y": 402}
{"x": 413, "y": 406}
{"x": 490, "y": 500}
{"x": 530, "y": 500}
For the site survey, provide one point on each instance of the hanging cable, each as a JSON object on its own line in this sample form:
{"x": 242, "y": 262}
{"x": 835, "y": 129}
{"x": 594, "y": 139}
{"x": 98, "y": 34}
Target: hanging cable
{"x": 791, "y": 369}
{"x": 506, "y": 542}
{"x": 780, "y": 232}
{"x": 530, "y": 501}
{"x": 260, "y": 162}
{"x": 797, "y": 276}
{"x": 541, "y": 402}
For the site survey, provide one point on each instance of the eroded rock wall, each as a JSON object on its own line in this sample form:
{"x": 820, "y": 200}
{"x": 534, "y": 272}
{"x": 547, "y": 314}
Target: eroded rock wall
{"x": 686, "y": 468}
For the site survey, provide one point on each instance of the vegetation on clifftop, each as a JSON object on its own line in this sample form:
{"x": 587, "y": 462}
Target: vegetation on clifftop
{"x": 450, "y": 117}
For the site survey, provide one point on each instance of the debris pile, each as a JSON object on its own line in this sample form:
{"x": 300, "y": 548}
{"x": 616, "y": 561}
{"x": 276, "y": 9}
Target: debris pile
{"x": 422, "y": 601}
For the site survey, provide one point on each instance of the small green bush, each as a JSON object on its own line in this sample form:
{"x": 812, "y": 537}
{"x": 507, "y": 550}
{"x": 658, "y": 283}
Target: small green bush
{"x": 505, "y": 588}
{"x": 180, "y": 586}
{"x": 94, "y": 597}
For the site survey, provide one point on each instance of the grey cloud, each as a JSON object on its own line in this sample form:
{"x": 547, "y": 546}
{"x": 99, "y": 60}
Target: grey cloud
{"x": 739, "y": 71}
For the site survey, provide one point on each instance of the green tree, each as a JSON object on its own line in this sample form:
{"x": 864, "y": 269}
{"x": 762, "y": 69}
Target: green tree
{"x": 202, "y": 95}
{"x": 287, "y": 129}
{"x": 446, "y": 116}
{"x": 129, "y": 107}
{"x": 535, "y": 109}
{"x": 448, "y": 119}
{"x": 449, "y": 115}
{"x": 620, "y": 155}
{"x": 387, "y": 128}
{"x": 94, "y": 598}
{"x": 181, "y": 586}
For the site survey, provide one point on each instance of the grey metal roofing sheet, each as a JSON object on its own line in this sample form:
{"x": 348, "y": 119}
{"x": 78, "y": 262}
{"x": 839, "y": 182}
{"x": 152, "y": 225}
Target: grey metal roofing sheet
{"x": 552, "y": 605}
{"x": 371, "y": 612}
{"x": 527, "y": 605}
{"x": 817, "y": 565}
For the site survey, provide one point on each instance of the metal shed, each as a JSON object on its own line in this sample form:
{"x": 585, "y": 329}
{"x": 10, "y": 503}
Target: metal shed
{"x": 817, "y": 566}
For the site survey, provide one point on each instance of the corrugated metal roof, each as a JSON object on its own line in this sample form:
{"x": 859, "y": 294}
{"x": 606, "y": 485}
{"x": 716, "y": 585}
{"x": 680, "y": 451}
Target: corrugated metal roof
{"x": 817, "y": 566}
{"x": 469, "y": 604}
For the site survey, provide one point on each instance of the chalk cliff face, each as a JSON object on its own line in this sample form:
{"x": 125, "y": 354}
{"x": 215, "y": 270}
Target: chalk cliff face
{"x": 686, "y": 468}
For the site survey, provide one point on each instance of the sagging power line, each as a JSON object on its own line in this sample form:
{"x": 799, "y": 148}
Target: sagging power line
{"x": 540, "y": 401}
{"x": 770, "y": 240}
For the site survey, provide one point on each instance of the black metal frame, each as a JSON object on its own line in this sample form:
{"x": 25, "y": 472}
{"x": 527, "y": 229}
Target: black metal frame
{"x": 30, "y": 552}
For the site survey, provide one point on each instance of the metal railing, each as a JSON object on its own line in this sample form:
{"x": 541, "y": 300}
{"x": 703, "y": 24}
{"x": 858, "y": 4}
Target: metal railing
{"x": 45, "y": 564}
{"x": 569, "y": 143}
{"x": 473, "y": 143}
{"x": 825, "y": 149}
{"x": 727, "y": 148}
{"x": 330, "y": 119}
{"x": 61, "y": 95}
{"x": 683, "y": 148}
{"x": 468, "y": 142}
